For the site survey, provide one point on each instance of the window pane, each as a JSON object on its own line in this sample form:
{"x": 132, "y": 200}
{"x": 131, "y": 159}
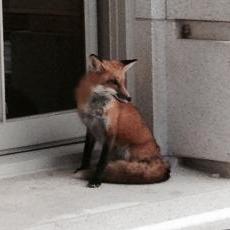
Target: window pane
{"x": 44, "y": 54}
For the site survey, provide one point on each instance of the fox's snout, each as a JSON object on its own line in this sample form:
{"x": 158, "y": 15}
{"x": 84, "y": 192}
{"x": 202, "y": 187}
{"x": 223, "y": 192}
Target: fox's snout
{"x": 124, "y": 97}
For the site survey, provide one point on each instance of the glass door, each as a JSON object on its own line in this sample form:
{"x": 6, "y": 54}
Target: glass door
{"x": 44, "y": 45}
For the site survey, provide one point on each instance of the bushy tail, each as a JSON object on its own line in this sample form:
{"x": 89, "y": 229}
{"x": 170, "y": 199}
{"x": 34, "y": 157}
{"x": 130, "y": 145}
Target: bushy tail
{"x": 134, "y": 172}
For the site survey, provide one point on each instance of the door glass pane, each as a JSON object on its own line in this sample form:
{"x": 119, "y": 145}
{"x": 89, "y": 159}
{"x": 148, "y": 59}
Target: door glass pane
{"x": 44, "y": 52}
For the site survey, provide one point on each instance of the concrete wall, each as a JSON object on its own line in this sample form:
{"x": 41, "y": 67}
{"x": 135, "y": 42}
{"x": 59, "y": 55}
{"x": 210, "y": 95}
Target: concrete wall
{"x": 198, "y": 79}
{"x": 186, "y": 80}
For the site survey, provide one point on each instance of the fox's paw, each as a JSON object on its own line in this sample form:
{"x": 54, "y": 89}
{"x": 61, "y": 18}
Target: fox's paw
{"x": 94, "y": 183}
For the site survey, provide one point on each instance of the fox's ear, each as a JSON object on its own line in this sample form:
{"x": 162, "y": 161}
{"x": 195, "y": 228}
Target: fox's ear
{"x": 95, "y": 63}
{"x": 128, "y": 63}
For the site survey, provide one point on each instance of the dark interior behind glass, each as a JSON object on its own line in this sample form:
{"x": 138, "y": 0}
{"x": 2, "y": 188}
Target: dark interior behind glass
{"x": 44, "y": 51}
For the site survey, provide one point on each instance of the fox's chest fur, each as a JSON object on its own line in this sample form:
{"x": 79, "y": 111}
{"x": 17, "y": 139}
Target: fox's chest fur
{"x": 93, "y": 114}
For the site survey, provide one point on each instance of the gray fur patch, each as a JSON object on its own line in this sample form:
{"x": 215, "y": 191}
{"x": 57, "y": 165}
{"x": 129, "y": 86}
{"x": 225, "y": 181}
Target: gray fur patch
{"x": 99, "y": 101}
{"x": 96, "y": 125}
{"x": 94, "y": 117}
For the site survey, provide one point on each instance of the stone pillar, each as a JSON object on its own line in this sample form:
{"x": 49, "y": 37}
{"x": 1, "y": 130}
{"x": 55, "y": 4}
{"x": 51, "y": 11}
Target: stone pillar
{"x": 151, "y": 91}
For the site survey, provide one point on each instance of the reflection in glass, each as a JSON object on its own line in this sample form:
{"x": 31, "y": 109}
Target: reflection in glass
{"x": 44, "y": 54}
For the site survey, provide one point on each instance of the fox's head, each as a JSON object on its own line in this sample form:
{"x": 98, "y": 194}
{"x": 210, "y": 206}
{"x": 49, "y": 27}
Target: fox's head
{"x": 109, "y": 75}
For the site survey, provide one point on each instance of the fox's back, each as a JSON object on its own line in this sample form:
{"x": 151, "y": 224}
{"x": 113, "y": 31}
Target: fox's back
{"x": 127, "y": 124}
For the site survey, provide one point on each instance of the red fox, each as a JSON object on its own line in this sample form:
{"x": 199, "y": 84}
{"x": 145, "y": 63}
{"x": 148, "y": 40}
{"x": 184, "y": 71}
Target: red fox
{"x": 130, "y": 153}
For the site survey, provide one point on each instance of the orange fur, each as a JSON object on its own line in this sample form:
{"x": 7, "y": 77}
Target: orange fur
{"x": 145, "y": 164}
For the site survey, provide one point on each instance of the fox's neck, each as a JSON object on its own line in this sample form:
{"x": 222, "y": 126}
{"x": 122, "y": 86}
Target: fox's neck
{"x": 99, "y": 100}
{"x": 92, "y": 97}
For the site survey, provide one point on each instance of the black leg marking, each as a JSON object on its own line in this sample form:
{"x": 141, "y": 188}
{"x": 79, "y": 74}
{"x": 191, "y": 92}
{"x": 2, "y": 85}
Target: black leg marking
{"x": 95, "y": 181}
{"x": 87, "y": 153}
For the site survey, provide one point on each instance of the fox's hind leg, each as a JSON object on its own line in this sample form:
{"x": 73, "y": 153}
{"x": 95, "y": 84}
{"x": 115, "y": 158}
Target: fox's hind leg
{"x": 87, "y": 153}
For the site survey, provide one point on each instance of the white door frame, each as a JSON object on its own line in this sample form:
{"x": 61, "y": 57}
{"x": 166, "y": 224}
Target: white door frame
{"x": 44, "y": 128}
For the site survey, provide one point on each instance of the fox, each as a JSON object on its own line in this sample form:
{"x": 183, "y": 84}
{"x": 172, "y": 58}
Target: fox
{"x": 130, "y": 153}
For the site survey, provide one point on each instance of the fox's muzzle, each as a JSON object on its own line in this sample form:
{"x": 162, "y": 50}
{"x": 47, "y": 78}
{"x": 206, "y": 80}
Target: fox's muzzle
{"x": 122, "y": 97}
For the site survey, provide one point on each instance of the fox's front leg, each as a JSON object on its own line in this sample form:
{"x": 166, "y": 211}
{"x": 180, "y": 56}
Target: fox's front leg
{"x": 87, "y": 153}
{"x": 95, "y": 181}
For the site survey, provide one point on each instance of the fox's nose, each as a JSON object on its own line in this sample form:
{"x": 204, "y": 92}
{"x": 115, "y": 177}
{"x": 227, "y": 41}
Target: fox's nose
{"x": 129, "y": 98}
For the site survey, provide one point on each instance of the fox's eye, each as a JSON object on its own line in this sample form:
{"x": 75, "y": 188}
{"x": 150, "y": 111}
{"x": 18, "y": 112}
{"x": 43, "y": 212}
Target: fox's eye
{"x": 113, "y": 81}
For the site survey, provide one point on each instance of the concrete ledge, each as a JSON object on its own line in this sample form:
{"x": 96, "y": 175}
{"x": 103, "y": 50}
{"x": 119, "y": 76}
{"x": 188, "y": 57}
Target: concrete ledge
{"x": 211, "y": 10}
{"x": 151, "y": 9}
{"x": 58, "y": 200}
